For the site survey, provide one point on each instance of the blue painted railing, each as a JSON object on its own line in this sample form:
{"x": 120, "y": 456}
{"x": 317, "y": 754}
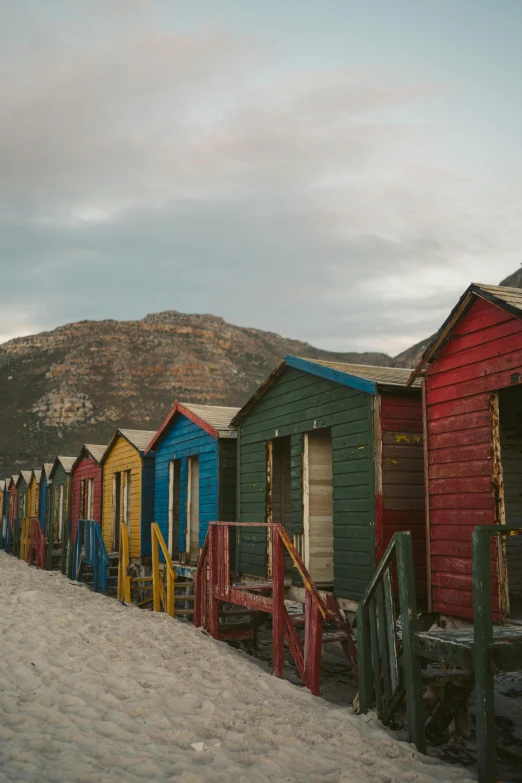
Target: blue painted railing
{"x": 94, "y": 554}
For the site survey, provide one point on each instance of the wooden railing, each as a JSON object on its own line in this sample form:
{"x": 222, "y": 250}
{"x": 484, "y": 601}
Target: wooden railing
{"x": 213, "y": 584}
{"x": 162, "y": 584}
{"x": 381, "y": 680}
{"x": 37, "y": 544}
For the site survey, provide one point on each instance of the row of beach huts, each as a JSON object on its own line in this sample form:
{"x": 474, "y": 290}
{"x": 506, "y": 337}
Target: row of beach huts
{"x": 318, "y": 477}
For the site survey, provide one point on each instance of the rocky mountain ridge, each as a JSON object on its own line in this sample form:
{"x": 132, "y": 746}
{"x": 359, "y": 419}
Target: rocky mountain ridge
{"x": 77, "y": 383}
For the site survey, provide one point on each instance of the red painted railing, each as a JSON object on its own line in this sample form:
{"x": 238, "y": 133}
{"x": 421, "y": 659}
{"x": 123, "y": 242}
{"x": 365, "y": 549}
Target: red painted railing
{"x": 213, "y": 584}
{"x": 36, "y": 544}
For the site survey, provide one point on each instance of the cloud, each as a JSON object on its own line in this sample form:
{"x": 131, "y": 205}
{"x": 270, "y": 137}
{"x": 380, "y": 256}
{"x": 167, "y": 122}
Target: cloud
{"x": 144, "y": 168}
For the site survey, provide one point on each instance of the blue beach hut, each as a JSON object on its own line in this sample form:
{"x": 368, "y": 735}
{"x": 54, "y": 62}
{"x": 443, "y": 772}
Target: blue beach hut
{"x": 195, "y": 477}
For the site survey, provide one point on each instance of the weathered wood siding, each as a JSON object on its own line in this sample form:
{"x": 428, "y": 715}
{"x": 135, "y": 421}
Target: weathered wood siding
{"x": 403, "y": 495}
{"x": 510, "y": 414}
{"x": 485, "y": 349}
{"x": 181, "y": 440}
{"x": 123, "y": 456}
{"x": 87, "y": 468}
{"x": 299, "y": 402}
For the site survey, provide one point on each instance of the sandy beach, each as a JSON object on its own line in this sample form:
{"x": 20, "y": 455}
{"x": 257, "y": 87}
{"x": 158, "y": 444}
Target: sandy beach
{"x": 92, "y": 691}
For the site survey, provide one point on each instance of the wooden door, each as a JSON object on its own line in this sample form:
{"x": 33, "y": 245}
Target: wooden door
{"x": 116, "y": 511}
{"x": 318, "y": 506}
{"x": 58, "y": 513}
{"x": 174, "y": 506}
{"x": 192, "y": 538}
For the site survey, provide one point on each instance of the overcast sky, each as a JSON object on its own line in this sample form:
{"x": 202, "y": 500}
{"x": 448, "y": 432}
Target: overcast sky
{"x": 335, "y": 171}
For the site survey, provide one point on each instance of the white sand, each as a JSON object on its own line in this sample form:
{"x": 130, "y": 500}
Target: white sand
{"x": 92, "y": 691}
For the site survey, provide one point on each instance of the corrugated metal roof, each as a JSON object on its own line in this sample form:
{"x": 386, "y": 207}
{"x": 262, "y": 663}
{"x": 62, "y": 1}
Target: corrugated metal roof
{"x": 217, "y": 416}
{"x": 382, "y": 376}
{"x": 96, "y": 450}
{"x": 138, "y": 438}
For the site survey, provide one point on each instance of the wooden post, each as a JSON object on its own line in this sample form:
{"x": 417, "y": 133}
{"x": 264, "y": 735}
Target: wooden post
{"x": 156, "y": 587}
{"x": 410, "y": 661}
{"x": 364, "y": 662}
{"x": 278, "y": 602}
{"x": 484, "y": 694}
{"x": 213, "y": 609}
{"x": 313, "y": 645}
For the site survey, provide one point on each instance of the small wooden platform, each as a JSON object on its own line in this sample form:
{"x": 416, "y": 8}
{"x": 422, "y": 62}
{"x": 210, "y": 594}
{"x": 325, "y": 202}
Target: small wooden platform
{"x": 456, "y": 647}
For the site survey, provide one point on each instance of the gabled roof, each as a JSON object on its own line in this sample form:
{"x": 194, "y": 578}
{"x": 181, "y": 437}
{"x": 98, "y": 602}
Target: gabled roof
{"x": 91, "y": 451}
{"x": 65, "y": 462}
{"x": 214, "y": 419}
{"x": 2, "y": 485}
{"x": 37, "y": 473}
{"x": 357, "y": 376}
{"x": 140, "y": 439}
{"x": 46, "y": 469}
{"x": 14, "y": 479}
{"x": 509, "y": 299}
{"x": 25, "y": 475}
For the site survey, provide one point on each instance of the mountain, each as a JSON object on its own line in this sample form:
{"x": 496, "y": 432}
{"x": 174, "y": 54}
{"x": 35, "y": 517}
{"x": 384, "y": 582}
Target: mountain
{"x": 77, "y": 383}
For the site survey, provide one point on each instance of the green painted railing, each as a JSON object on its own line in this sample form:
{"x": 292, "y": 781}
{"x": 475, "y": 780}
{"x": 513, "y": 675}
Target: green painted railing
{"x": 381, "y": 680}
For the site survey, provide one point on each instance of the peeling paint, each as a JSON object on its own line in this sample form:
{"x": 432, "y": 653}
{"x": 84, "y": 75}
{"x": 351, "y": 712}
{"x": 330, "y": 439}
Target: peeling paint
{"x": 399, "y": 438}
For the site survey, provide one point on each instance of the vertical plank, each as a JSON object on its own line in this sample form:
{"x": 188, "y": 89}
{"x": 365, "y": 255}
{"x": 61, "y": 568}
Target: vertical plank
{"x": 362, "y": 624}
{"x": 226, "y": 560}
{"x": 278, "y": 602}
{"x": 213, "y": 608}
{"x": 390, "y": 627}
{"x": 427, "y": 493}
{"x": 156, "y": 587}
{"x": 410, "y": 662}
{"x": 383, "y": 642}
{"x": 376, "y": 663}
{"x": 313, "y": 645}
{"x": 483, "y": 636}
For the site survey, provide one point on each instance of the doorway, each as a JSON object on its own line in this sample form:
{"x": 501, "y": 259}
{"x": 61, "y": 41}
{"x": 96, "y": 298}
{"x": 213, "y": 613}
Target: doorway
{"x": 318, "y": 506}
{"x": 510, "y": 419}
{"x": 174, "y": 507}
{"x": 280, "y": 494}
{"x": 192, "y": 536}
{"x": 58, "y": 513}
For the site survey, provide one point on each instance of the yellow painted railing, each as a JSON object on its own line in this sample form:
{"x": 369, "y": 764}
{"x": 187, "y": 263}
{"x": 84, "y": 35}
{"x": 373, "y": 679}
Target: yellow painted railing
{"x": 124, "y": 580}
{"x": 25, "y": 539}
{"x": 162, "y": 586}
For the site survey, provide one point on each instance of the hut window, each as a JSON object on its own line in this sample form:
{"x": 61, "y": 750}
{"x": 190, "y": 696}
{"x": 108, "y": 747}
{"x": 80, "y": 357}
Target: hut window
{"x": 174, "y": 507}
{"x": 510, "y": 423}
{"x": 192, "y": 537}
